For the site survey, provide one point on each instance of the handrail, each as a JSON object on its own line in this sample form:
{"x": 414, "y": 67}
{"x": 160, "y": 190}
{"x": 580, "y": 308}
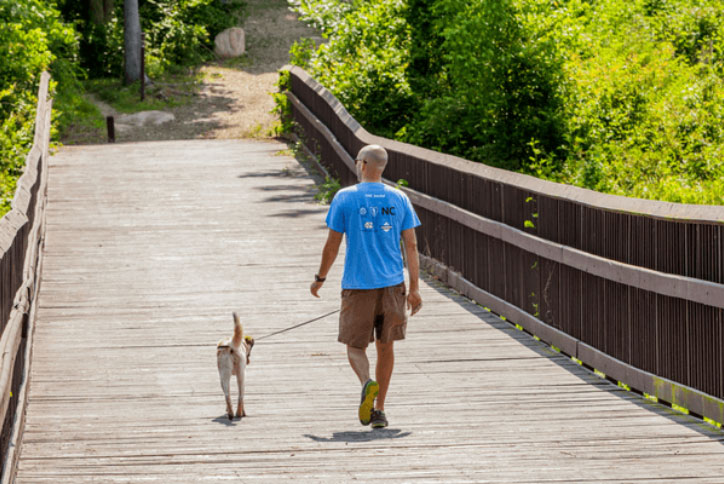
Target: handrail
{"x": 597, "y": 268}
{"x": 21, "y": 236}
{"x": 653, "y": 208}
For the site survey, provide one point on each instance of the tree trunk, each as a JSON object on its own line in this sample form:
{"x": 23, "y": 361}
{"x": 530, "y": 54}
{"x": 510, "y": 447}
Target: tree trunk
{"x": 96, "y": 11}
{"x": 132, "y": 37}
{"x": 101, "y": 11}
{"x": 108, "y": 6}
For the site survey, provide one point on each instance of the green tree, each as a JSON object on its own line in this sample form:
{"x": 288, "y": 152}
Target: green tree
{"x": 497, "y": 89}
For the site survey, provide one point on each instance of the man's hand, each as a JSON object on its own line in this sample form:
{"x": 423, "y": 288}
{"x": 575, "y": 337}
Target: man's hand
{"x": 414, "y": 302}
{"x": 316, "y": 286}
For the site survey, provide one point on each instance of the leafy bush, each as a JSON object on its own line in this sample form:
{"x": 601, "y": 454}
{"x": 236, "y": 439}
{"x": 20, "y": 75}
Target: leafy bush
{"x": 32, "y": 39}
{"x": 643, "y": 101}
{"x": 282, "y": 106}
{"x": 496, "y": 88}
{"x": 178, "y": 33}
{"x": 364, "y": 59}
{"x": 621, "y": 96}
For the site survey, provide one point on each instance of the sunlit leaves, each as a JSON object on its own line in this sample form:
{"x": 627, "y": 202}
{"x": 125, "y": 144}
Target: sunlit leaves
{"x": 621, "y": 96}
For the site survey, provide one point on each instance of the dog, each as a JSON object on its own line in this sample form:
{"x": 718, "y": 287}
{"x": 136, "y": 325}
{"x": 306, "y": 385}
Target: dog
{"x": 232, "y": 356}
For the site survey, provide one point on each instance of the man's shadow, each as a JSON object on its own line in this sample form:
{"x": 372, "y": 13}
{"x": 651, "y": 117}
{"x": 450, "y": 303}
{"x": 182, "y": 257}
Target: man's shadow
{"x": 361, "y": 436}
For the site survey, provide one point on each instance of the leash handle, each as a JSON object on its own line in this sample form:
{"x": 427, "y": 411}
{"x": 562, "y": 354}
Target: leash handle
{"x": 296, "y": 325}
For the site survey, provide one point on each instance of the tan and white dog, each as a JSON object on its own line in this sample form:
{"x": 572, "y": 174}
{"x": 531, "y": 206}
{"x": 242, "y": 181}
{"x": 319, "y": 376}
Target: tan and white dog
{"x": 232, "y": 356}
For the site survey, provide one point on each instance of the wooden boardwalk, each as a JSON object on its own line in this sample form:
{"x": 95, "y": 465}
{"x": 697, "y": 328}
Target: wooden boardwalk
{"x": 151, "y": 246}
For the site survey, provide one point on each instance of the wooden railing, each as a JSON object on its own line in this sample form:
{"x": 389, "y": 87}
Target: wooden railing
{"x": 21, "y": 237}
{"x": 633, "y": 288}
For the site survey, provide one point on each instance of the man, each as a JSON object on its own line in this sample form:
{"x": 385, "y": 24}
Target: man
{"x": 374, "y": 217}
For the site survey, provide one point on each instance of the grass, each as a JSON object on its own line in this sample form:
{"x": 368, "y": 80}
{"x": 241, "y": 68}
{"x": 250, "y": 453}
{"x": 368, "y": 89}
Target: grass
{"x": 170, "y": 91}
{"x": 79, "y": 120}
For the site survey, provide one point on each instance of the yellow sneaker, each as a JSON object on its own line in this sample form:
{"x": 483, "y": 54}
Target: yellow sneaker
{"x": 369, "y": 392}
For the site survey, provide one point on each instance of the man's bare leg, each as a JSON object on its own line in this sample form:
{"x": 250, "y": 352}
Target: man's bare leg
{"x": 359, "y": 363}
{"x": 383, "y": 371}
{"x": 370, "y": 388}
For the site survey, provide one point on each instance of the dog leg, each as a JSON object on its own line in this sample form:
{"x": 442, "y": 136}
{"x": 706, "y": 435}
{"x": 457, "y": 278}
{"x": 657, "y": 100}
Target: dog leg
{"x": 225, "y": 377}
{"x": 240, "y": 382}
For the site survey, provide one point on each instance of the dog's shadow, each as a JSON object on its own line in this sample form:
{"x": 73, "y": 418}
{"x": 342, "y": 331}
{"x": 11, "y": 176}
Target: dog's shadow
{"x": 224, "y": 419}
{"x": 361, "y": 436}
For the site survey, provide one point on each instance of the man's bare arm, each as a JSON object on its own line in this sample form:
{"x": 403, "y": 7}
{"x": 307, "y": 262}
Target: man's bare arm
{"x": 414, "y": 300}
{"x": 329, "y": 254}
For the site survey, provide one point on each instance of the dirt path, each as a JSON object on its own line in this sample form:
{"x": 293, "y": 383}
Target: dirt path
{"x": 234, "y": 98}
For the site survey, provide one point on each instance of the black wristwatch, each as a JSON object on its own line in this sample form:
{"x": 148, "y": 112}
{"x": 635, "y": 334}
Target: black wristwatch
{"x": 319, "y": 279}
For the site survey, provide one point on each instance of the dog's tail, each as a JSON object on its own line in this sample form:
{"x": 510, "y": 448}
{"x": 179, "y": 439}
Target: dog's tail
{"x": 238, "y": 331}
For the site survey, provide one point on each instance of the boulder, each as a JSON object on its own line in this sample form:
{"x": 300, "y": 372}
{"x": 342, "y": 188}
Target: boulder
{"x": 143, "y": 118}
{"x": 230, "y": 43}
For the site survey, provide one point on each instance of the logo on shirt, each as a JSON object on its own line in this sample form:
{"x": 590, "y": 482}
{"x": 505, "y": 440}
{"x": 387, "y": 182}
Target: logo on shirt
{"x": 373, "y": 211}
{"x": 363, "y": 211}
{"x": 388, "y": 210}
{"x": 386, "y": 227}
{"x": 369, "y": 225}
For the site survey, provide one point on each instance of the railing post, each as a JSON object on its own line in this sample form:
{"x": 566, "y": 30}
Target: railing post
{"x": 110, "y": 125}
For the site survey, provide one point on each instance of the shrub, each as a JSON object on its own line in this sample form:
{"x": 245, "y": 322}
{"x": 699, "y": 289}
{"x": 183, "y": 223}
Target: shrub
{"x": 178, "y": 33}
{"x": 497, "y": 87}
{"x": 32, "y": 39}
{"x": 364, "y": 59}
{"x": 621, "y": 96}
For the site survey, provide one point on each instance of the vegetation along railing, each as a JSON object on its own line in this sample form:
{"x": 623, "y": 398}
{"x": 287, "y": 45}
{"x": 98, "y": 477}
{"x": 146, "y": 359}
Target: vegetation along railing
{"x": 21, "y": 236}
{"x": 633, "y": 288}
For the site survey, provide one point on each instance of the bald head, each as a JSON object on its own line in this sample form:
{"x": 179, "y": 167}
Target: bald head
{"x": 375, "y": 156}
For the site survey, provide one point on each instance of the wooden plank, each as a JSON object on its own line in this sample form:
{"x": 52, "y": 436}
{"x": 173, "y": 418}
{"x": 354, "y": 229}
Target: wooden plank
{"x": 149, "y": 249}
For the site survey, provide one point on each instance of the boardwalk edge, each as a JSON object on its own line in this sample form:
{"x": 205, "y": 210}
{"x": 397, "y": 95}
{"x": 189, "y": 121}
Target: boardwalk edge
{"x": 676, "y": 395}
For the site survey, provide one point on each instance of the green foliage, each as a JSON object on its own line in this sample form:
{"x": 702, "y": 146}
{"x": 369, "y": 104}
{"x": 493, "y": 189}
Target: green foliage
{"x": 327, "y": 190}
{"x": 364, "y": 60}
{"x": 282, "y": 106}
{"x": 301, "y": 52}
{"x": 621, "y": 96}
{"x": 496, "y": 89}
{"x": 178, "y": 33}
{"x": 644, "y": 100}
{"x": 182, "y": 32}
{"x": 33, "y": 39}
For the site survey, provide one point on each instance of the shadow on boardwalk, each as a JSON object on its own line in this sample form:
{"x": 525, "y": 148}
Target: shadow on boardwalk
{"x": 361, "y": 436}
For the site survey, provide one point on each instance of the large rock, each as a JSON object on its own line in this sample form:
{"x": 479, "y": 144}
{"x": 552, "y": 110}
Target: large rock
{"x": 230, "y": 43}
{"x": 143, "y": 118}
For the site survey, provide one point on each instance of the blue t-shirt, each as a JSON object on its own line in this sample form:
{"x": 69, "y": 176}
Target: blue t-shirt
{"x": 373, "y": 216}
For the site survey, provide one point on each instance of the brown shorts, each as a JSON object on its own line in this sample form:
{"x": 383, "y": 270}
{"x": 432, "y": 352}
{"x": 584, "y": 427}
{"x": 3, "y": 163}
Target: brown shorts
{"x": 370, "y": 313}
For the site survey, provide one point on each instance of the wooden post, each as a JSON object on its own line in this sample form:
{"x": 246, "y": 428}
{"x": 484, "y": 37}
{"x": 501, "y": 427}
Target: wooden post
{"x": 143, "y": 66}
{"x": 111, "y": 129}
